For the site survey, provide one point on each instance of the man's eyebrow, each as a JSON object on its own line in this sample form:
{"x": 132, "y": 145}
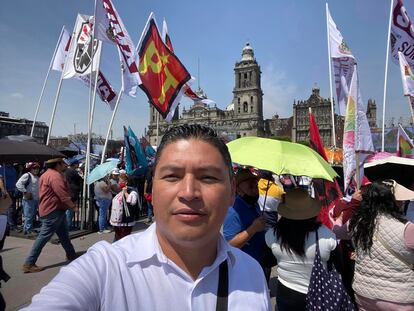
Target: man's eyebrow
{"x": 201, "y": 168}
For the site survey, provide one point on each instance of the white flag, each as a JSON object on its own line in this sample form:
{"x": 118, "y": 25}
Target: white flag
{"x": 63, "y": 46}
{"x": 110, "y": 28}
{"x": 342, "y": 62}
{"x": 407, "y": 76}
{"x": 357, "y": 134}
{"x": 80, "y": 59}
{"x": 402, "y": 33}
{"x": 105, "y": 90}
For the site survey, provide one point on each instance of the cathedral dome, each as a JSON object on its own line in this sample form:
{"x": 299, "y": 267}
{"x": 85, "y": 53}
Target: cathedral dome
{"x": 230, "y": 107}
{"x": 247, "y": 53}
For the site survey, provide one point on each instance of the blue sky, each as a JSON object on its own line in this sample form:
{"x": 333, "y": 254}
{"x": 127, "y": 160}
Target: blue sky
{"x": 288, "y": 37}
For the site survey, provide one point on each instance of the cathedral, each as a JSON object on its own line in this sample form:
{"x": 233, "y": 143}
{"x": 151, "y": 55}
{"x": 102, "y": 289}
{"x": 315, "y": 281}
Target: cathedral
{"x": 244, "y": 115}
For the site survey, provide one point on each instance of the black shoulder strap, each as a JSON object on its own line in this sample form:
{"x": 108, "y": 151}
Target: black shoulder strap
{"x": 223, "y": 287}
{"x": 28, "y": 181}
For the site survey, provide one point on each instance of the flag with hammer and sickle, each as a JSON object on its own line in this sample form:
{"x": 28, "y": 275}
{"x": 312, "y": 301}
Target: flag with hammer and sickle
{"x": 163, "y": 76}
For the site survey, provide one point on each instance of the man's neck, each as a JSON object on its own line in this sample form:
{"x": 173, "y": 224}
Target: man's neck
{"x": 189, "y": 258}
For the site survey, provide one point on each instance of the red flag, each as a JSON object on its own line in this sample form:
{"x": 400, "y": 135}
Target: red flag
{"x": 167, "y": 40}
{"x": 328, "y": 192}
{"x": 162, "y": 74}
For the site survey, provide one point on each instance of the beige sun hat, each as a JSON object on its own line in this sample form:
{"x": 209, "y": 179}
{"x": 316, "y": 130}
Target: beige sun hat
{"x": 400, "y": 192}
{"x": 298, "y": 205}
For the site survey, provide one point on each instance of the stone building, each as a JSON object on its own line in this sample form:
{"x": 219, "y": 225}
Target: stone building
{"x": 17, "y": 126}
{"x": 321, "y": 109}
{"x": 244, "y": 115}
{"x": 372, "y": 113}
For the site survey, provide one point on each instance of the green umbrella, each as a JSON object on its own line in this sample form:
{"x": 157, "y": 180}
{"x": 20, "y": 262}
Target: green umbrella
{"x": 280, "y": 157}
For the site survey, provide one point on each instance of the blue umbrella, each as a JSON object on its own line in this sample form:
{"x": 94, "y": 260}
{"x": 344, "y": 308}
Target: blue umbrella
{"x": 101, "y": 171}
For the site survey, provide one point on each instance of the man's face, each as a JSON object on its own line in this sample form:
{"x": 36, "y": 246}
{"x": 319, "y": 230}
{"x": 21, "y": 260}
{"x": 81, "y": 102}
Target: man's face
{"x": 61, "y": 167}
{"x": 192, "y": 191}
{"x": 248, "y": 187}
{"x": 35, "y": 171}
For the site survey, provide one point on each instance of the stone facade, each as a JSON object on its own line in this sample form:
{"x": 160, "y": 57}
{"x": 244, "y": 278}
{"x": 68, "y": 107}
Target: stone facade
{"x": 321, "y": 109}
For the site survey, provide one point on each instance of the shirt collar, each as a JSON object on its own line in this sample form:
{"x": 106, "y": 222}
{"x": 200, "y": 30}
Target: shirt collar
{"x": 149, "y": 248}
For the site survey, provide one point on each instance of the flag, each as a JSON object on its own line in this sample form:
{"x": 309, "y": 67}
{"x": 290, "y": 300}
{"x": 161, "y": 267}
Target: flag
{"x": 405, "y": 145}
{"x": 329, "y": 193}
{"x": 164, "y": 78}
{"x": 136, "y": 162}
{"x": 63, "y": 47}
{"x": 342, "y": 62}
{"x": 166, "y": 37}
{"x": 105, "y": 91}
{"x": 357, "y": 134}
{"x": 148, "y": 149}
{"x": 406, "y": 76}
{"x": 104, "y": 88}
{"x": 110, "y": 28}
{"x": 79, "y": 58}
{"x": 167, "y": 40}
{"x": 402, "y": 33}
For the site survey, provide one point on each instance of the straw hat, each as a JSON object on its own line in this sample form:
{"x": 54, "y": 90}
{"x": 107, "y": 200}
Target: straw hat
{"x": 298, "y": 205}
{"x": 54, "y": 160}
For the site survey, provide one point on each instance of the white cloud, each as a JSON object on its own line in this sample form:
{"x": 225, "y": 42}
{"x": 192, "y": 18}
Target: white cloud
{"x": 278, "y": 92}
{"x": 17, "y": 95}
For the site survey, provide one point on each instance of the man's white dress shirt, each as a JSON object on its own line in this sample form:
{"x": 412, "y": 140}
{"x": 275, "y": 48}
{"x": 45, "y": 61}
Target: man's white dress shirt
{"x": 134, "y": 274}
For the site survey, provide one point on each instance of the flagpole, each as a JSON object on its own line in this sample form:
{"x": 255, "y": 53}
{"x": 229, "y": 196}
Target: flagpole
{"x": 52, "y": 117}
{"x": 158, "y": 121}
{"x": 330, "y": 80}
{"x": 409, "y": 98}
{"x": 44, "y": 83}
{"x": 110, "y": 124}
{"x": 385, "y": 78}
{"x": 357, "y": 171}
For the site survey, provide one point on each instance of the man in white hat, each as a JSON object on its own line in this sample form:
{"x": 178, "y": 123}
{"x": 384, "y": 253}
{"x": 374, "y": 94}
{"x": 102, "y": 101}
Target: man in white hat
{"x": 28, "y": 184}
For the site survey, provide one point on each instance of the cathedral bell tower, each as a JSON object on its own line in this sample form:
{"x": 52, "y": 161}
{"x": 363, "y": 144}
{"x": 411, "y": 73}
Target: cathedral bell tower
{"x": 247, "y": 92}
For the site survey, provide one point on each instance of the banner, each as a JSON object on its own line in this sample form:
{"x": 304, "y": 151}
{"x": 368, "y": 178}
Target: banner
{"x": 329, "y": 193}
{"x": 104, "y": 88}
{"x": 135, "y": 160}
{"x": 110, "y": 28}
{"x": 167, "y": 40}
{"x": 148, "y": 149}
{"x": 164, "y": 78}
{"x": 105, "y": 91}
{"x": 342, "y": 62}
{"x": 63, "y": 47}
{"x": 79, "y": 59}
{"x": 357, "y": 134}
{"x": 402, "y": 33}
{"x": 407, "y": 76}
{"x": 405, "y": 145}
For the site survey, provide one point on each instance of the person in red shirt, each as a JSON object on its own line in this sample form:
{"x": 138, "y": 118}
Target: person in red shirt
{"x": 54, "y": 200}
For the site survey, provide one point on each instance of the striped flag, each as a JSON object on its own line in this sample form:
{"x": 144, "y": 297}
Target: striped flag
{"x": 357, "y": 134}
{"x": 405, "y": 145}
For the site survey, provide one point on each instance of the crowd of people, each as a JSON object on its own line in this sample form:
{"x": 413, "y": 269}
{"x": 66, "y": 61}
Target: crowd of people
{"x": 217, "y": 234}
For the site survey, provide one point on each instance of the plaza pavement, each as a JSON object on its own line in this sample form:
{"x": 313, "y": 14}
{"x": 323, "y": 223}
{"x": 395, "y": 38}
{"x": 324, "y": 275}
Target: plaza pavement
{"x": 21, "y": 287}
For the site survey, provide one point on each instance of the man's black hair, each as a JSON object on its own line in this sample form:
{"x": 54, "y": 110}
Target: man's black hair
{"x": 195, "y": 131}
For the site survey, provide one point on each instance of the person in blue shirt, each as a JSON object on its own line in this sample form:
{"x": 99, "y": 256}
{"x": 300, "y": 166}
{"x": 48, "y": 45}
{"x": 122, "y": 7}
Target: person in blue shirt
{"x": 8, "y": 176}
{"x": 244, "y": 224}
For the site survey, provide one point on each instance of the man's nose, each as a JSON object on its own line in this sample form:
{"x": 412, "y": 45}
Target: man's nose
{"x": 190, "y": 189}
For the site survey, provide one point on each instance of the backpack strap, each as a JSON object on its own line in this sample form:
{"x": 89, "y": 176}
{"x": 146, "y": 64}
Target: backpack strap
{"x": 223, "y": 287}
